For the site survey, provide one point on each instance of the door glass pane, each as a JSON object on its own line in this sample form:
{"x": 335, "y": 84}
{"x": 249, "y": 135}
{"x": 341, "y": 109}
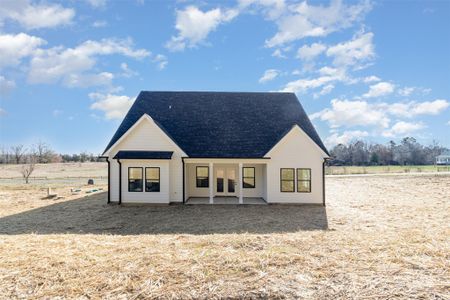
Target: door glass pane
{"x": 220, "y": 181}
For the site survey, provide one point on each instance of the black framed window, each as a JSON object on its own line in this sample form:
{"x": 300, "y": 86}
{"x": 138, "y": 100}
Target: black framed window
{"x": 152, "y": 179}
{"x": 202, "y": 175}
{"x": 135, "y": 179}
{"x": 248, "y": 178}
{"x": 287, "y": 180}
{"x": 304, "y": 180}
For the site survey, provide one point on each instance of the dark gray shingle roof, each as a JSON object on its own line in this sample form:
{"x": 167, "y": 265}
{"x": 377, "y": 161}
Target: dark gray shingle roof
{"x": 137, "y": 154}
{"x": 221, "y": 124}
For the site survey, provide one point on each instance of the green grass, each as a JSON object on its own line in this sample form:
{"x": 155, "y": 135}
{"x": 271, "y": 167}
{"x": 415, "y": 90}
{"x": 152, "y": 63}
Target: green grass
{"x": 347, "y": 170}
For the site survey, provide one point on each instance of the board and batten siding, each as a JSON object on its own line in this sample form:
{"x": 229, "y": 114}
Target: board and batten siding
{"x": 146, "y": 135}
{"x": 295, "y": 150}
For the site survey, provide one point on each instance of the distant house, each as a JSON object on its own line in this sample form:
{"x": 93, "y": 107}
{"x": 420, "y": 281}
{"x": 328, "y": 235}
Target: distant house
{"x": 443, "y": 159}
{"x": 177, "y": 147}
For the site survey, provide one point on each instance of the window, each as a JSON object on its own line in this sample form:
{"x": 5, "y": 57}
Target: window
{"x": 202, "y": 177}
{"x": 152, "y": 179}
{"x": 304, "y": 180}
{"x": 287, "y": 177}
{"x": 135, "y": 180}
{"x": 248, "y": 180}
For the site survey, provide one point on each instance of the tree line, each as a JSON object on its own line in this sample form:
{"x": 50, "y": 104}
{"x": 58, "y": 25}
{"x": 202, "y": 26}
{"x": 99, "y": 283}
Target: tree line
{"x": 407, "y": 152}
{"x": 41, "y": 153}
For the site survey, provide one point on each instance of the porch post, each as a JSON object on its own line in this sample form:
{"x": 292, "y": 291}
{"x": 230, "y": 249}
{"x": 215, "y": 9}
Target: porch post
{"x": 211, "y": 183}
{"x": 241, "y": 197}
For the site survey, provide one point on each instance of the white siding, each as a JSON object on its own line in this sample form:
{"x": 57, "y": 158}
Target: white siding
{"x": 146, "y": 197}
{"x": 295, "y": 150}
{"x": 146, "y": 135}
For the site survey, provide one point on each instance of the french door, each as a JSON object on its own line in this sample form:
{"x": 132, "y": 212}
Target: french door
{"x": 226, "y": 183}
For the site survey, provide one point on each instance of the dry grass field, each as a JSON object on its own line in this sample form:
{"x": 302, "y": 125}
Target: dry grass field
{"x": 379, "y": 237}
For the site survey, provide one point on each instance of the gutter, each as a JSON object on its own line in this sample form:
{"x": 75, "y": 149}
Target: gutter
{"x": 182, "y": 159}
{"x": 323, "y": 180}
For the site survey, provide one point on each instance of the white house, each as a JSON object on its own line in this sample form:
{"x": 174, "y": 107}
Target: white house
{"x": 443, "y": 159}
{"x": 210, "y": 147}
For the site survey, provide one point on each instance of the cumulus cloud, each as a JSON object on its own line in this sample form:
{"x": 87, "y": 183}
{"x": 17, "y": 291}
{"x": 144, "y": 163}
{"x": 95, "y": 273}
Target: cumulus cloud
{"x": 325, "y": 90}
{"x": 304, "y": 20}
{"x": 161, "y": 61}
{"x": 352, "y": 113}
{"x": 14, "y": 47}
{"x": 370, "y": 79}
{"x": 269, "y": 75}
{"x": 194, "y": 26}
{"x": 402, "y": 129}
{"x": 345, "y": 137}
{"x": 310, "y": 52}
{"x": 71, "y": 66}
{"x": 113, "y": 106}
{"x": 380, "y": 89}
{"x": 355, "y": 52}
{"x": 346, "y": 113}
{"x": 327, "y": 76}
{"x": 99, "y": 24}
{"x": 35, "y": 16}
{"x": 96, "y": 3}
{"x": 6, "y": 86}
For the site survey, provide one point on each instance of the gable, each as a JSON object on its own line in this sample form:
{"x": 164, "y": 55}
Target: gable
{"x": 297, "y": 140}
{"x": 221, "y": 124}
{"x": 146, "y": 135}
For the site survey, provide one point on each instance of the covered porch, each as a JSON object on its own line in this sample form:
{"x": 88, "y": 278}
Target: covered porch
{"x": 225, "y": 181}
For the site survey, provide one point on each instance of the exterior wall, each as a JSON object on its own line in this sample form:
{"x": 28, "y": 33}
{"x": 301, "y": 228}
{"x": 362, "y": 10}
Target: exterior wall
{"x": 148, "y": 136}
{"x": 295, "y": 150}
{"x": 146, "y": 197}
{"x": 193, "y": 191}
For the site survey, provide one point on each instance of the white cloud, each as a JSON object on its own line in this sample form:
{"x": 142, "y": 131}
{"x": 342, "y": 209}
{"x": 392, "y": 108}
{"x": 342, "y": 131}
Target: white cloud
{"x": 126, "y": 71}
{"x": 278, "y": 53}
{"x": 96, "y": 3}
{"x": 70, "y": 65}
{"x": 34, "y": 16}
{"x": 352, "y": 113}
{"x": 380, "y": 89}
{"x": 358, "y": 50}
{"x": 304, "y": 20}
{"x": 2, "y": 112}
{"x": 114, "y": 106}
{"x": 448, "y": 123}
{"x": 345, "y": 137}
{"x": 194, "y": 25}
{"x": 6, "y": 86}
{"x": 429, "y": 107}
{"x": 370, "y": 79}
{"x": 406, "y": 91}
{"x": 328, "y": 76}
{"x": 15, "y": 47}
{"x": 310, "y": 52}
{"x": 161, "y": 61}
{"x": 325, "y": 90}
{"x": 269, "y": 75}
{"x": 99, "y": 24}
{"x": 402, "y": 129}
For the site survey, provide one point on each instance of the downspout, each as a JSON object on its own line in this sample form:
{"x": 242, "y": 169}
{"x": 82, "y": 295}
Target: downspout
{"x": 120, "y": 181}
{"x": 182, "y": 159}
{"x": 109, "y": 180}
{"x": 323, "y": 180}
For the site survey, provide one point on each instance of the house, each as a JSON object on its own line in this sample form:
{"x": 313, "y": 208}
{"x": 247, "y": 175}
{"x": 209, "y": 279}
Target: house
{"x": 443, "y": 159}
{"x": 199, "y": 147}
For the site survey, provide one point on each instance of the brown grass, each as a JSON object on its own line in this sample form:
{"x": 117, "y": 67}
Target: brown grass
{"x": 379, "y": 237}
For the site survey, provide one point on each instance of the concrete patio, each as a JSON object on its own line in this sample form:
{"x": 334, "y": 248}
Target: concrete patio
{"x": 226, "y": 200}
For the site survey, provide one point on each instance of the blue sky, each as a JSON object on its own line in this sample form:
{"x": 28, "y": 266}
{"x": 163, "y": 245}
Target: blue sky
{"x": 70, "y": 70}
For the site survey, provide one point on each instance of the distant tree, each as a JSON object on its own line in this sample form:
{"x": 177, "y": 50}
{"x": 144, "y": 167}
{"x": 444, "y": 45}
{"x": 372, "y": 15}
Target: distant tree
{"x": 374, "y": 159}
{"x": 17, "y": 152}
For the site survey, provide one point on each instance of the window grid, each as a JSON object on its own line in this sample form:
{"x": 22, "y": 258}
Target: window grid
{"x": 153, "y": 183}
{"x": 202, "y": 181}
{"x": 304, "y": 182}
{"x": 285, "y": 183}
{"x": 252, "y": 178}
{"x": 135, "y": 185}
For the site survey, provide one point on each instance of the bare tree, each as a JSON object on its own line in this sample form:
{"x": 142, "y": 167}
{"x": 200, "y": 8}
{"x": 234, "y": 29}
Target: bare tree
{"x": 17, "y": 152}
{"x": 43, "y": 152}
{"x": 28, "y": 168}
